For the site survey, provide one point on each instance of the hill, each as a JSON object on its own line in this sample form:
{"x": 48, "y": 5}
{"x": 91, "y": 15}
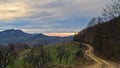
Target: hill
{"x": 18, "y": 36}
{"x": 62, "y": 55}
{"x": 105, "y": 38}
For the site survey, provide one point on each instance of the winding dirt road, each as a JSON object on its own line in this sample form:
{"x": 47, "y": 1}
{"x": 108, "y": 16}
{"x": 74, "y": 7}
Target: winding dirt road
{"x": 100, "y": 63}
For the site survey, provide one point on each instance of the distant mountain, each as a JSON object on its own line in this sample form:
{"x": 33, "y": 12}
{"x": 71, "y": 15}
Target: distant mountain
{"x": 18, "y": 36}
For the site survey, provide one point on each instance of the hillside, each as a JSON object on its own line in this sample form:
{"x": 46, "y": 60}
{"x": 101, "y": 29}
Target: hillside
{"x": 64, "y": 55}
{"x": 18, "y": 36}
{"x": 105, "y": 38}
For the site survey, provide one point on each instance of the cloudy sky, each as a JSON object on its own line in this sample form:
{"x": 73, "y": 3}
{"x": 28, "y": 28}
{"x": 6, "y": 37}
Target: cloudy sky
{"x": 48, "y": 16}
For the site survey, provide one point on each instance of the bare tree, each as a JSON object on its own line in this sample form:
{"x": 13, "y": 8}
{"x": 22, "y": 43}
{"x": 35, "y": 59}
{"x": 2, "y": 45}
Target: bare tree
{"x": 112, "y": 10}
{"x": 100, "y": 20}
{"x": 63, "y": 54}
{"x": 60, "y": 53}
{"x": 7, "y": 53}
{"x": 38, "y": 57}
{"x": 92, "y": 22}
{"x": 66, "y": 56}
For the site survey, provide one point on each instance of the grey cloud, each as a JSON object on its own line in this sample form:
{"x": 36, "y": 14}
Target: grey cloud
{"x": 41, "y": 13}
{"x": 42, "y": 9}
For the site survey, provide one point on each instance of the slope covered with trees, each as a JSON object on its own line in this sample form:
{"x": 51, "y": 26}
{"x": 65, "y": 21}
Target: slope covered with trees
{"x": 104, "y": 37}
{"x": 104, "y": 33}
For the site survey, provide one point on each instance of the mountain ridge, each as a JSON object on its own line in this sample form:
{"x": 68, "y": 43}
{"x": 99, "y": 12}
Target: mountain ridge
{"x": 18, "y": 36}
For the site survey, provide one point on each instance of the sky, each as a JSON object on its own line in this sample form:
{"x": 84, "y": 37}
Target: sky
{"x": 51, "y": 17}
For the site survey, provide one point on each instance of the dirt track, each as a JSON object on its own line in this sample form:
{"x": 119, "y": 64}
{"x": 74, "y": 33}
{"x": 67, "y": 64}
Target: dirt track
{"x": 99, "y": 63}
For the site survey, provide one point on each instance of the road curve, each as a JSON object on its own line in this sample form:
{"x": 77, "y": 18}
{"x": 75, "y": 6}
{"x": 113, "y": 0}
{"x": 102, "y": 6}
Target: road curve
{"x": 100, "y": 63}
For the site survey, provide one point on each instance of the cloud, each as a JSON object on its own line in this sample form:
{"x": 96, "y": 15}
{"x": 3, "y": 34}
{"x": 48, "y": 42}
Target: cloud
{"x": 53, "y": 15}
{"x": 44, "y": 9}
{"x": 12, "y": 10}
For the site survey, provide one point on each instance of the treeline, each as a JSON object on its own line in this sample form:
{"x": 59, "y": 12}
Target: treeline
{"x": 104, "y": 33}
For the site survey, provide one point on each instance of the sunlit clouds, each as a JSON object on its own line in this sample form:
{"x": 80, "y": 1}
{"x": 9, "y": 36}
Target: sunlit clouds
{"x": 12, "y": 10}
{"x": 60, "y": 34}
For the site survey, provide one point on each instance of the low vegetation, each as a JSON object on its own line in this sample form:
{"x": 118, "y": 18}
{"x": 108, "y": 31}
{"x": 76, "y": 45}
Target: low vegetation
{"x": 39, "y": 56}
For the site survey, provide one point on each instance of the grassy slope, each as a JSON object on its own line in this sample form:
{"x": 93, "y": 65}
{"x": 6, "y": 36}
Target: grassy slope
{"x": 70, "y": 46}
{"x": 73, "y": 48}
